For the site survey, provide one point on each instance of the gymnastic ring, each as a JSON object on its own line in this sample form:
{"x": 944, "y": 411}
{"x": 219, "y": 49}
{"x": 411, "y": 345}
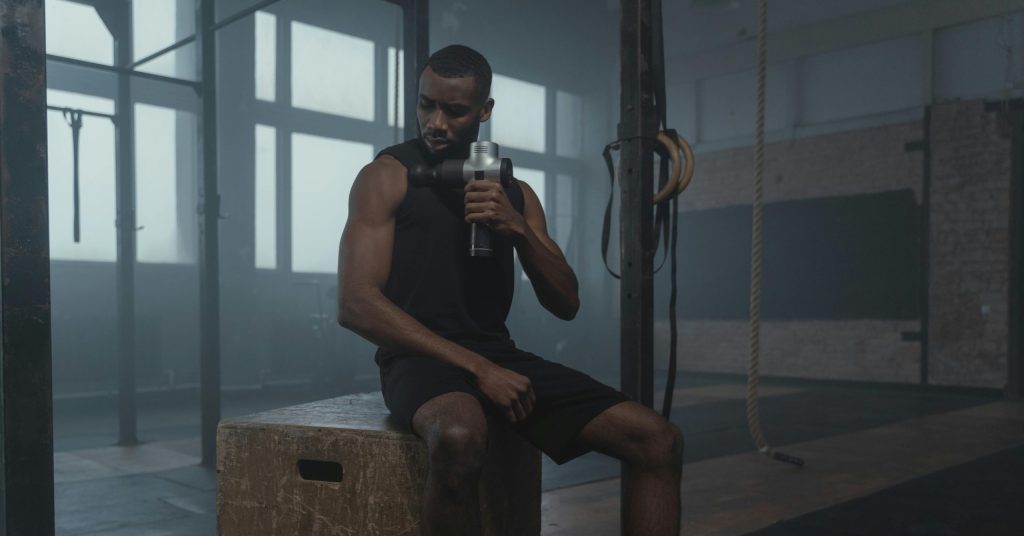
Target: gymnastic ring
{"x": 687, "y": 176}
{"x": 672, "y": 184}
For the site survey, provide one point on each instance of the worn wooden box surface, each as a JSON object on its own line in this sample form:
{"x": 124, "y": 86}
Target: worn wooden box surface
{"x": 342, "y": 466}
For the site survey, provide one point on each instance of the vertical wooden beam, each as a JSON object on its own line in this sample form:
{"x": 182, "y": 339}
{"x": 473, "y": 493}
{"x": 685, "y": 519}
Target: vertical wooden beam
{"x": 637, "y": 130}
{"x": 209, "y": 243}
{"x": 1015, "y": 348}
{"x": 924, "y": 290}
{"x": 26, "y": 389}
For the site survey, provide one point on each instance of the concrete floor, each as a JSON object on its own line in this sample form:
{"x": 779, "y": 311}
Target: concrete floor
{"x": 858, "y": 441}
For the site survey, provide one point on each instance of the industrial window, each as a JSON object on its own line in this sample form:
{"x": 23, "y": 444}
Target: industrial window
{"x": 519, "y": 114}
{"x": 323, "y": 170}
{"x": 98, "y": 240}
{"x": 344, "y": 84}
{"x": 266, "y": 197}
{"x": 75, "y": 30}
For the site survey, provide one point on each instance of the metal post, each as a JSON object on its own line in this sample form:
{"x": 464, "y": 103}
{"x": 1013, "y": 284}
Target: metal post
{"x": 637, "y": 128}
{"x": 26, "y": 388}
{"x": 209, "y": 260}
{"x": 416, "y": 44}
{"x": 126, "y": 228}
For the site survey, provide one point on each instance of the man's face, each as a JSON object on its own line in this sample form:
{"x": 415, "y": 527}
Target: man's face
{"x": 450, "y": 112}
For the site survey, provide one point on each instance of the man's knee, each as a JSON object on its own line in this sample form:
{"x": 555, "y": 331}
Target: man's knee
{"x": 661, "y": 446}
{"x": 459, "y": 443}
{"x": 455, "y": 429}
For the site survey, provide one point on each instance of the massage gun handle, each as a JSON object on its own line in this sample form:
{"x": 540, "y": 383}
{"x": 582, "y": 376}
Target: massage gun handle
{"x": 480, "y": 240}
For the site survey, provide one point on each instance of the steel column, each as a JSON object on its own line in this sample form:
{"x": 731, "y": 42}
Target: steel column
{"x": 26, "y": 388}
{"x": 126, "y": 228}
{"x": 209, "y": 221}
{"x": 416, "y": 45}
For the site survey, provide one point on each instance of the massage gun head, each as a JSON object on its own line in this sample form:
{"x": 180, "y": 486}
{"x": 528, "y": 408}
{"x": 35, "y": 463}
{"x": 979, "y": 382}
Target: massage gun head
{"x": 483, "y": 164}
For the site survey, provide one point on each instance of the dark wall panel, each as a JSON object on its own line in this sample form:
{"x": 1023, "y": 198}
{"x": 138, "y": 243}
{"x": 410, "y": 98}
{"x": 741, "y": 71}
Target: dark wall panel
{"x": 852, "y": 257}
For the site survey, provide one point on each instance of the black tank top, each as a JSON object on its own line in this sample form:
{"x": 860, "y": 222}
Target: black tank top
{"x": 464, "y": 299}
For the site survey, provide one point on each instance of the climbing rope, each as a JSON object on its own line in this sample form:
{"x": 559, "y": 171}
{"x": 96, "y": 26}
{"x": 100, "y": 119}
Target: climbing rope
{"x": 753, "y": 415}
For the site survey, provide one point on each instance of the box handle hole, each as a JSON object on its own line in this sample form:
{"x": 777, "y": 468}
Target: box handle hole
{"x": 320, "y": 471}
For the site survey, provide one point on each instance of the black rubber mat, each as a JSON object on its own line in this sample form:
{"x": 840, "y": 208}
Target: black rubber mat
{"x": 983, "y": 497}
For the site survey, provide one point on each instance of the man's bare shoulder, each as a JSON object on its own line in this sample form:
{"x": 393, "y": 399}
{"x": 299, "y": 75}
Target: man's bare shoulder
{"x": 383, "y": 179}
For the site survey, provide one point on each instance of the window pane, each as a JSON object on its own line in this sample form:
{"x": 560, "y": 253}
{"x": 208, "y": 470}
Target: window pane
{"x": 535, "y": 178}
{"x": 156, "y": 185}
{"x": 266, "y": 56}
{"x": 70, "y": 99}
{"x": 75, "y": 30}
{"x": 332, "y": 72}
{"x": 519, "y": 114}
{"x": 266, "y": 197}
{"x": 153, "y": 24}
{"x": 97, "y": 192}
{"x": 568, "y": 124}
{"x": 391, "y": 88}
{"x": 157, "y": 24}
{"x": 560, "y": 218}
{"x": 323, "y": 170}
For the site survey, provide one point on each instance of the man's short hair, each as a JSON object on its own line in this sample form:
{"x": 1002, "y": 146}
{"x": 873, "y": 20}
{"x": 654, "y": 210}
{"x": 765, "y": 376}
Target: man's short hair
{"x": 458, "y": 61}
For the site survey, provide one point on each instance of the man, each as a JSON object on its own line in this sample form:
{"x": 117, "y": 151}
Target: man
{"x": 446, "y": 360}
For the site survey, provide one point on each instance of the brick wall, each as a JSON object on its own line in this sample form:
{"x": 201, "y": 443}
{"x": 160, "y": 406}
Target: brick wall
{"x": 969, "y": 252}
{"x": 970, "y": 218}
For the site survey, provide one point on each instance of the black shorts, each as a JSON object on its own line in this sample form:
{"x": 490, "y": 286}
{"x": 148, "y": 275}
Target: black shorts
{"x": 566, "y": 399}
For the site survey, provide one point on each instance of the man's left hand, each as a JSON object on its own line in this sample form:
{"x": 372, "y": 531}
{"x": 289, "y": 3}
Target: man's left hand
{"x": 487, "y": 203}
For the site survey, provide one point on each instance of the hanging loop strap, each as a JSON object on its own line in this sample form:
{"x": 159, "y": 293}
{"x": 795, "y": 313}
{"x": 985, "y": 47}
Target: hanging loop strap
{"x": 74, "y": 120}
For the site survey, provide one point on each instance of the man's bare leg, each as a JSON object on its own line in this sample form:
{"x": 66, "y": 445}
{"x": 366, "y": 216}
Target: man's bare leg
{"x": 455, "y": 428}
{"x": 652, "y": 448}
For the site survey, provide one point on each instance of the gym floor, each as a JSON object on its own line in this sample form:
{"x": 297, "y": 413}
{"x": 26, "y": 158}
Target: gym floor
{"x": 879, "y": 460}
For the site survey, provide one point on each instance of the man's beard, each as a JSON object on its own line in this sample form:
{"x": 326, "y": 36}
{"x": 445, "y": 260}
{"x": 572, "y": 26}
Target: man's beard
{"x": 453, "y": 150}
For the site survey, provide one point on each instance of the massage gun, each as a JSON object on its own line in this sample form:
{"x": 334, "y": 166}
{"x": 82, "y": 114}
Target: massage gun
{"x": 483, "y": 164}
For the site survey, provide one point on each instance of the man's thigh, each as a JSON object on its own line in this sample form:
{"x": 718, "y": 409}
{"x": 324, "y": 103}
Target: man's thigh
{"x": 411, "y": 384}
{"x": 621, "y": 430}
{"x": 567, "y": 400}
{"x": 444, "y": 413}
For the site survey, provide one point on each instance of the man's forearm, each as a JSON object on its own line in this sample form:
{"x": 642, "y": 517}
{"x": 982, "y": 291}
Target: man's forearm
{"x": 377, "y": 319}
{"x": 553, "y": 280}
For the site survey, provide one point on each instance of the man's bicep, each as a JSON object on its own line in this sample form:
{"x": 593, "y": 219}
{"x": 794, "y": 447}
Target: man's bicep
{"x": 364, "y": 259}
{"x": 365, "y": 256}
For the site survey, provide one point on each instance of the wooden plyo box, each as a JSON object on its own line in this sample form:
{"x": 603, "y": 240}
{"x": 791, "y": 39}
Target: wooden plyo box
{"x": 343, "y": 467}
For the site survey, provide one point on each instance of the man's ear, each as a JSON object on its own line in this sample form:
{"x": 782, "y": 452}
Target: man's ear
{"x": 485, "y": 110}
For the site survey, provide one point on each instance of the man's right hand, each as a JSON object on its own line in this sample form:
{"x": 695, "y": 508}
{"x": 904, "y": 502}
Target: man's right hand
{"x": 509, "y": 390}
